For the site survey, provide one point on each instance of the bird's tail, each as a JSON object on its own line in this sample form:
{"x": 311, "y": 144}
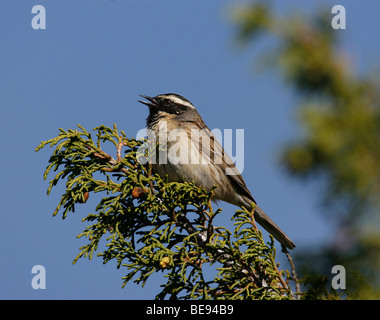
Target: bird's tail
{"x": 272, "y": 228}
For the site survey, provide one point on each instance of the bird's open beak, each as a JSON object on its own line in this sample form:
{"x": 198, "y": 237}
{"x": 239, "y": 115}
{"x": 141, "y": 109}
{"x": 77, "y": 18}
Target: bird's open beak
{"x": 152, "y": 102}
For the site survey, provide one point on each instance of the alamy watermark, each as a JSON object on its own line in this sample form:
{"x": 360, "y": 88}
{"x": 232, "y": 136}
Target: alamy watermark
{"x": 339, "y": 20}
{"x": 39, "y": 20}
{"x": 339, "y": 280}
{"x": 39, "y": 280}
{"x": 181, "y": 146}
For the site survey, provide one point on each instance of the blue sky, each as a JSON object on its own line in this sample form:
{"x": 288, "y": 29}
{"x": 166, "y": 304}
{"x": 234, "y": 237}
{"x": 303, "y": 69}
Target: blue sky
{"x": 89, "y": 67}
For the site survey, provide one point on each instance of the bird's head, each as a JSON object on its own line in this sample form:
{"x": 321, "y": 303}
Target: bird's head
{"x": 169, "y": 106}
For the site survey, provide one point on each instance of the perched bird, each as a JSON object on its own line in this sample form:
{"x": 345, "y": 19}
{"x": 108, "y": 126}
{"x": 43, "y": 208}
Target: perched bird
{"x": 199, "y": 157}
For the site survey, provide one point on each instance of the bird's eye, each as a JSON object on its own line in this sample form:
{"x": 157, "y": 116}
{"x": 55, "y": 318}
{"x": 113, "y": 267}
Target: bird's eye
{"x": 168, "y": 102}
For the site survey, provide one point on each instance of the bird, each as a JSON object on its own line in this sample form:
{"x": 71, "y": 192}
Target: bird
{"x": 203, "y": 162}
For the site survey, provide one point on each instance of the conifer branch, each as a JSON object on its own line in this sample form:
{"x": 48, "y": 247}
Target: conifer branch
{"x": 156, "y": 226}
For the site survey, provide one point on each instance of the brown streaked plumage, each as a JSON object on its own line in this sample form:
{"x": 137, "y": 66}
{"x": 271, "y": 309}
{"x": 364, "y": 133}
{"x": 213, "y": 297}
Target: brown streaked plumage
{"x": 177, "y": 115}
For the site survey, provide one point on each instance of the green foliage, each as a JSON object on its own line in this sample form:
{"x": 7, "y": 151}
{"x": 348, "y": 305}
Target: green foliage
{"x": 319, "y": 289}
{"x": 340, "y": 114}
{"x": 151, "y": 225}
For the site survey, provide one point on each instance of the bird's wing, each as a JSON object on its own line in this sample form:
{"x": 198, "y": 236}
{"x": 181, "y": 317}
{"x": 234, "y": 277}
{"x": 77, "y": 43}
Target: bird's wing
{"x": 213, "y": 149}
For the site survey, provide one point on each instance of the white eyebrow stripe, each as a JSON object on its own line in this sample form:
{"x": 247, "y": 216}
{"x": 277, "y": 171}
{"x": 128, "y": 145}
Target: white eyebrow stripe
{"x": 180, "y": 101}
